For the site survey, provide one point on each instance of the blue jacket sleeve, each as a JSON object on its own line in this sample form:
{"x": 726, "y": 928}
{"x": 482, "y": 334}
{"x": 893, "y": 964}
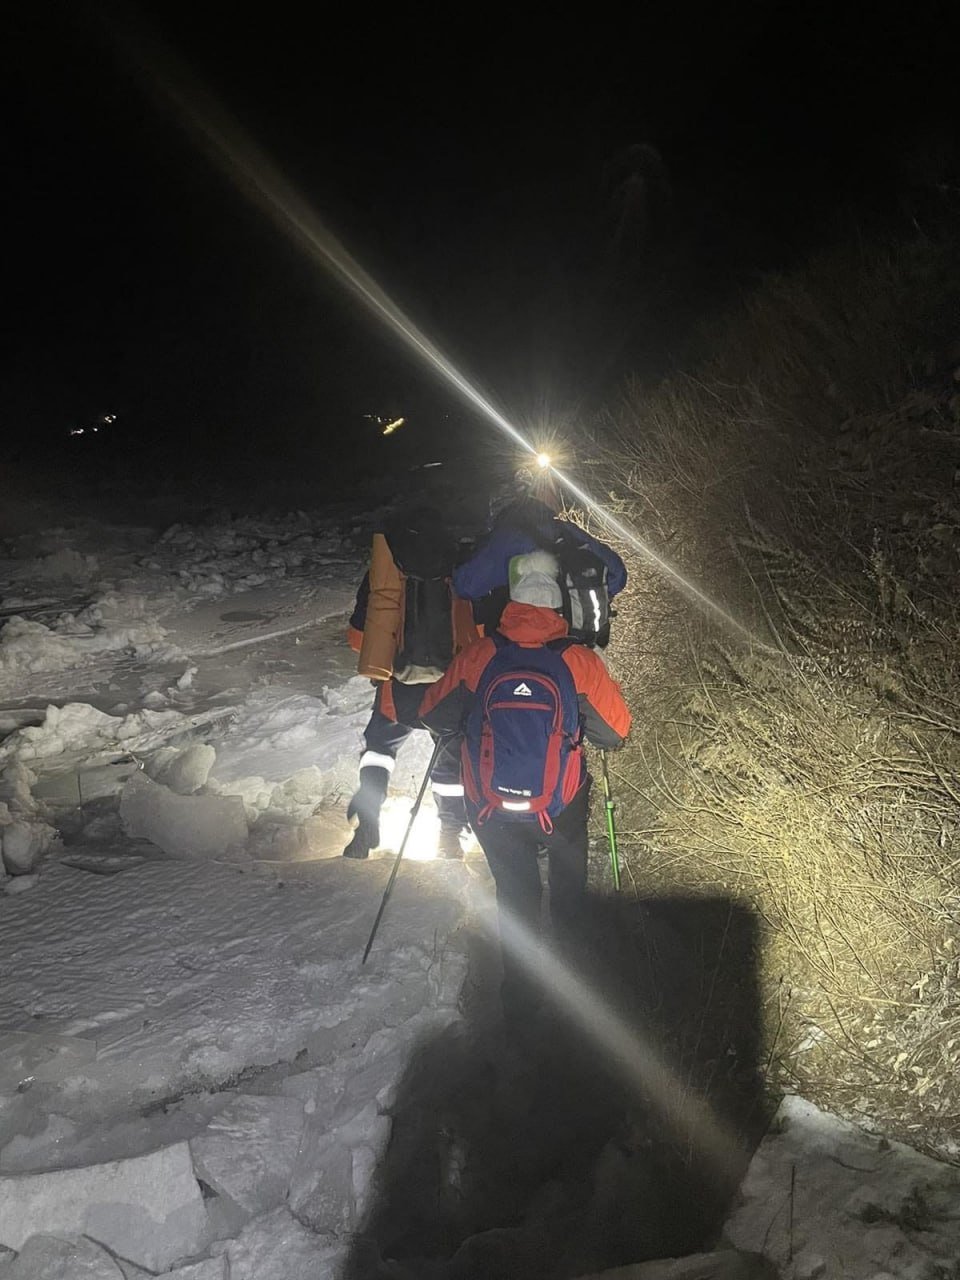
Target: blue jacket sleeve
{"x": 616, "y": 569}
{"x": 489, "y": 567}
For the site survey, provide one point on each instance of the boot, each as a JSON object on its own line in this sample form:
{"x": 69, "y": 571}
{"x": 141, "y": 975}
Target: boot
{"x": 365, "y": 838}
{"x": 453, "y": 819}
{"x": 365, "y": 807}
{"x": 448, "y": 844}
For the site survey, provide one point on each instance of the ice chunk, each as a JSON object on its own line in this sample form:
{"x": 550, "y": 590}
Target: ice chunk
{"x": 54, "y": 1258}
{"x": 24, "y": 844}
{"x": 248, "y": 1151}
{"x": 277, "y": 1247}
{"x": 188, "y": 771}
{"x": 148, "y": 1209}
{"x": 194, "y": 826}
{"x": 321, "y": 1189}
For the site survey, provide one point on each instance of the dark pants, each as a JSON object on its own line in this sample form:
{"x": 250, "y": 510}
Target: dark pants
{"x": 393, "y": 720}
{"x": 512, "y": 851}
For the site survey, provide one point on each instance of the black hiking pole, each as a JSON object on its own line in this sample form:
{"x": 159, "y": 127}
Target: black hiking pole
{"x": 403, "y": 844}
{"x": 611, "y": 825}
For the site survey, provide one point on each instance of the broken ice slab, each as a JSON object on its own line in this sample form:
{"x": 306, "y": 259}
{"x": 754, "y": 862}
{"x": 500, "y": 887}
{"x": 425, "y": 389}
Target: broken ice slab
{"x": 46, "y": 1257}
{"x": 77, "y": 786}
{"x": 192, "y": 826}
{"x": 42, "y": 1056}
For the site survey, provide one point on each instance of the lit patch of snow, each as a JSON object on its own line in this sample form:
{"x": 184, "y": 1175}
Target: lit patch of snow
{"x": 824, "y": 1198}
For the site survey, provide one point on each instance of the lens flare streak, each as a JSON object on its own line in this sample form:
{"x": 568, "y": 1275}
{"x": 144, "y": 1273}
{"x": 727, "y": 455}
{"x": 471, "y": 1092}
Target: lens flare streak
{"x": 260, "y": 180}
{"x": 629, "y": 1051}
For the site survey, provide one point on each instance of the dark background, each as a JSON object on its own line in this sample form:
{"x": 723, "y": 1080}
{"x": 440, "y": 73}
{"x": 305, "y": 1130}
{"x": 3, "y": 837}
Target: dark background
{"x": 493, "y": 171}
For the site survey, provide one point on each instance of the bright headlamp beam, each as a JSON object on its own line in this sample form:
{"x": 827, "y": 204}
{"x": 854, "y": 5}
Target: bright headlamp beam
{"x": 689, "y": 588}
{"x": 260, "y": 180}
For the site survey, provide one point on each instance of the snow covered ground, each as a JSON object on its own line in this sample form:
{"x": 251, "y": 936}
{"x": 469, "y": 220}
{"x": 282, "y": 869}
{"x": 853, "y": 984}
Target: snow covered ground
{"x": 196, "y": 689}
{"x": 197, "y": 1075}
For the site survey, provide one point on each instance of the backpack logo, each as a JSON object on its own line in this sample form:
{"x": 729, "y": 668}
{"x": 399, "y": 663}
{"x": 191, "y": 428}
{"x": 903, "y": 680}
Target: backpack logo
{"x": 523, "y": 690}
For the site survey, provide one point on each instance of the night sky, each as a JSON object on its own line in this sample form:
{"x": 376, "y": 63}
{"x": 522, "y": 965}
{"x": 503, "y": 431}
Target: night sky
{"x": 492, "y": 169}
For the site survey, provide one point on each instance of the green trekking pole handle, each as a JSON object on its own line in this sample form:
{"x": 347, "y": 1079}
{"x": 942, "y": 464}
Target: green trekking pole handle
{"x": 611, "y": 825}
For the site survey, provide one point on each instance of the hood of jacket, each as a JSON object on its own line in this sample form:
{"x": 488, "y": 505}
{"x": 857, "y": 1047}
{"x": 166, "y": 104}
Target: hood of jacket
{"x": 530, "y": 624}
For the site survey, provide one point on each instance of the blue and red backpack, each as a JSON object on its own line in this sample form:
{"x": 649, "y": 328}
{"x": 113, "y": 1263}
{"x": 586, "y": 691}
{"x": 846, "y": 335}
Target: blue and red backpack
{"x": 522, "y": 754}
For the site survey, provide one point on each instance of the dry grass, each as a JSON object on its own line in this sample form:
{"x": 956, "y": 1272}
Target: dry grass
{"x": 815, "y": 777}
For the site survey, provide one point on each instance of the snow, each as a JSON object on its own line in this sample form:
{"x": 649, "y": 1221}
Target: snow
{"x": 181, "y": 994}
{"x": 823, "y": 1198}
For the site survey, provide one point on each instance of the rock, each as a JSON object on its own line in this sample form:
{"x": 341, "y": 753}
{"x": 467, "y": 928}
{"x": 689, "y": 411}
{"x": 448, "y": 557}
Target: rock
{"x": 277, "y": 1247}
{"x": 192, "y": 826}
{"x": 24, "y": 844}
{"x": 148, "y": 1209}
{"x": 725, "y": 1264}
{"x": 54, "y": 1258}
{"x": 248, "y": 1152}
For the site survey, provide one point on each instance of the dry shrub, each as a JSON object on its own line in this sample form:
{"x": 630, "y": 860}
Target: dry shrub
{"x": 814, "y": 775}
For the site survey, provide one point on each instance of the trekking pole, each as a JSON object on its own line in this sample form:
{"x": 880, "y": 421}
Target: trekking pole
{"x": 403, "y": 844}
{"x": 611, "y": 825}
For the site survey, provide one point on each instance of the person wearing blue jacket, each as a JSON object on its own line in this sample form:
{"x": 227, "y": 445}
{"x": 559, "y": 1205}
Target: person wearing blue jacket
{"x": 521, "y": 523}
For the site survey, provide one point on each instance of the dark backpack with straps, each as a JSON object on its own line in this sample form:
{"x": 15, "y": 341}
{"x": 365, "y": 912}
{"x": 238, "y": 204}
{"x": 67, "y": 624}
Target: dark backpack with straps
{"x": 522, "y": 755}
{"x": 586, "y": 596}
{"x": 582, "y": 580}
{"x": 424, "y": 551}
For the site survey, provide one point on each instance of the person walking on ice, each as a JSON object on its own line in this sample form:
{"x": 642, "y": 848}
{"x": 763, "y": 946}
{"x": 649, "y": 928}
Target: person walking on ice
{"x": 522, "y": 701}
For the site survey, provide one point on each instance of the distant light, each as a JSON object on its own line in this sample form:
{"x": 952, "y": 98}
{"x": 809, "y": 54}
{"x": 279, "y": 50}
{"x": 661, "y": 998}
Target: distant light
{"x": 76, "y": 431}
{"x": 393, "y": 426}
{"x": 544, "y": 460}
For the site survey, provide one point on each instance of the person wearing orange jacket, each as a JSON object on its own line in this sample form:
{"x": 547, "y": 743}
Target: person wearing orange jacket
{"x": 521, "y": 701}
{"x": 406, "y": 626}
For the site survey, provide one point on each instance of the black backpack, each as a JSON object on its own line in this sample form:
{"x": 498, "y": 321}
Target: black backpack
{"x": 424, "y": 551}
{"x": 583, "y": 578}
{"x": 586, "y": 596}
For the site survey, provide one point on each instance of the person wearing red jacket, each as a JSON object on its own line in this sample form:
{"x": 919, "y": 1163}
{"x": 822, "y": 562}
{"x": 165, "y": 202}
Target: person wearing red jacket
{"x": 511, "y": 832}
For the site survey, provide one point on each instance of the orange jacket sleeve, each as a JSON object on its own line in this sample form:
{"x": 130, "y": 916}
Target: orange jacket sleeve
{"x": 606, "y": 717}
